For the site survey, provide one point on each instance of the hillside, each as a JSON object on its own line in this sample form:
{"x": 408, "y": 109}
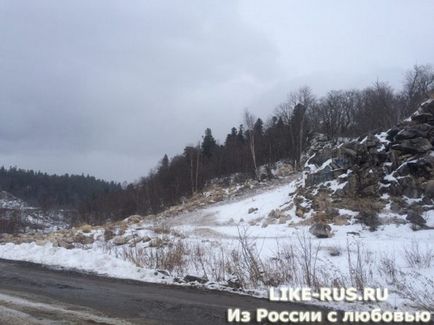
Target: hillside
{"x": 361, "y": 214}
{"x": 52, "y": 191}
{"x": 16, "y": 216}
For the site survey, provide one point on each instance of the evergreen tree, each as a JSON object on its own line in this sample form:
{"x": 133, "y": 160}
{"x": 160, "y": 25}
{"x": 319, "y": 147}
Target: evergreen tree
{"x": 208, "y": 144}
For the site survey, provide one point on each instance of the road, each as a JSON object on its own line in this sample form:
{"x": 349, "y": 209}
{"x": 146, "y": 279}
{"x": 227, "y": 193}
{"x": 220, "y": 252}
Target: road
{"x": 32, "y": 294}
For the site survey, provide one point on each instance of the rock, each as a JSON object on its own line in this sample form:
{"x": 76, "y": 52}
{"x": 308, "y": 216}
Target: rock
{"x": 413, "y": 146}
{"x": 193, "y": 278}
{"x": 64, "y": 244}
{"x": 122, "y": 240}
{"x": 299, "y": 213}
{"x": 369, "y": 218}
{"x": 324, "y": 175}
{"x": 423, "y": 118}
{"x": 321, "y": 157}
{"x": 320, "y": 230}
{"x": 421, "y": 167}
{"x": 234, "y": 283}
{"x": 427, "y": 200}
{"x": 334, "y": 251}
{"x": 331, "y": 212}
{"x": 252, "y": 210}
{"x": 276, "y": 214}
{"x": 429, "y": 189}
{"x": 396, "y": 207}
{"x": 264, "y": 173}
{"x": 163, "y": 272}
{"x": 156, "y": 242}
{"x": 409, "y": 186}
{"x": 283, "y": 169}
{"x": 146, "y": 239}
{"x": 108, "y": 234}
{"x": 41, "y": 242}
{"x": 371, "y": 190}
{"x": 415, "y": 131}
{"x": 350, "y": 188}
{"x": 134, "y": 218}
{"x": 415, "y": 218}
{"x": 341, "y": 220}
{"x": 82, "y": 239}
{"x": 371, "y": 141}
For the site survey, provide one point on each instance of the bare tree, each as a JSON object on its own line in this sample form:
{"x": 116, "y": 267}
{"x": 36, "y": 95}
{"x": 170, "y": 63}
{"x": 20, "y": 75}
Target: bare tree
{"x": 249, "y": 119}
{"x": 303, "y": 102}
{"x": 336, "y": 112}
{"x": 418, "y": 86}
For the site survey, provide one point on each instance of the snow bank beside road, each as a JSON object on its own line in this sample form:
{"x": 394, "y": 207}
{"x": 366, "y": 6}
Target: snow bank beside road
{"x": 90, "y": 260}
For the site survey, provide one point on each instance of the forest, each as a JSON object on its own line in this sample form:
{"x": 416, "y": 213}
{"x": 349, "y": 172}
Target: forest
{"x": 256, "y": 142}
{"x": 52, "y": 191}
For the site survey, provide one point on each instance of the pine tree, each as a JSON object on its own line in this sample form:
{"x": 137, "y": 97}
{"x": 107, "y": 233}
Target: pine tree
{"x": 208, "y": 144}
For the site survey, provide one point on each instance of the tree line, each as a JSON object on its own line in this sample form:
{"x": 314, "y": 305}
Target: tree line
{"x": 255, "y": 142}
{"x": 53, "y": 191}
{"x": 284, "y": 136}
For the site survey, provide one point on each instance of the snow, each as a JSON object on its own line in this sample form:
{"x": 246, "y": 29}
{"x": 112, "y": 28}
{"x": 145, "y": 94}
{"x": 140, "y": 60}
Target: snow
{"x": 325, "y": 164}
{"x": 390, "y": 178}
{"x": 92, "y": 260}
{"x": 217, "y": 229}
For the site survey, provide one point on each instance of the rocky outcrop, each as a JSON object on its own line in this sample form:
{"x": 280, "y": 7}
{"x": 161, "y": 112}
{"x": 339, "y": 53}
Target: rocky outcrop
{"x": 400, "y": 161}
{"x": 397, "y": 163}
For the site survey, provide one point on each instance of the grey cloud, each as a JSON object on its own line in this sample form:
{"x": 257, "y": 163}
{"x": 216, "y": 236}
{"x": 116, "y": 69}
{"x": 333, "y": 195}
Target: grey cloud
{"x": 107, "y": 87}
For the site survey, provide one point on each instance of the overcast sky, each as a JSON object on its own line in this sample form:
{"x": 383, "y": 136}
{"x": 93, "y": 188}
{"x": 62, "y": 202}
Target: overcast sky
{"x": 107, "y": 87}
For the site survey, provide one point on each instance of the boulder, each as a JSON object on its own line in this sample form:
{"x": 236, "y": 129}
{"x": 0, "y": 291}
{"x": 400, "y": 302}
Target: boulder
{"x": 146, "y": 239}
{"x": 234, "y": 283}
{"x": 65, "y": 244}
{"x": 276, "y": 214}
{"x": 413, "y": 146}
{"x": 341, "y": 220}
{"x": 82, "y": 239}
{"x": 321, "y": 157}
{"x": 415, "y": 131}
{"x": 422, "y": 167}
{"x": 122, "y": 240}
{"x": 108, "y": 234}
{"x": 320, "y": 230}
{"x": 371, "y": 141}
{"x": 331, "y": 212}
{"x": 429, "y": 189}
{"x": 415, "y": 218}
{"x": 425, "y": 113}
{"x": 193, "y": 278}
{"x": 252, "y": 210}
{"x": 409, "y": 186}
{"x": 299, "y": 213}
{"x": 156, "y": 242}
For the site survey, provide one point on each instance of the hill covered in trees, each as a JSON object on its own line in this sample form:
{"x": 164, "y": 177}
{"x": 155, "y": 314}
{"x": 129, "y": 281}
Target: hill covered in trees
{"x": 53, "y": 191}
{"x": 285, "y": 135}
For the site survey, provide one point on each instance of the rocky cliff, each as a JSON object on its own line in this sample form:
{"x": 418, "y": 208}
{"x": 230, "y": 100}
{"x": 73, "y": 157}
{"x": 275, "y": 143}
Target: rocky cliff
{"x": 393, "y": 169}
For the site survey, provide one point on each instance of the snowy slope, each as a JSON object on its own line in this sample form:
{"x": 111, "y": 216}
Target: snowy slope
{"x": 210, "y": 243}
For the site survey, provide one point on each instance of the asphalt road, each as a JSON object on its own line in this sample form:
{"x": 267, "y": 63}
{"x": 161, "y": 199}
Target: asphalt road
{"x": 32, "y": 294}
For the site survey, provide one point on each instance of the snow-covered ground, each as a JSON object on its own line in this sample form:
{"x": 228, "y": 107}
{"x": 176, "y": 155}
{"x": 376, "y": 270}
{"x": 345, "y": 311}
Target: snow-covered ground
{"x": 257, "y": 242}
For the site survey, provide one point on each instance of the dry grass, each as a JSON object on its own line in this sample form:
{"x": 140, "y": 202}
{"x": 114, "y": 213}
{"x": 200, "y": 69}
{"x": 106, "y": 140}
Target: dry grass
{"x": 418, "y": 257}
{"x": 86, "y": 228}
{"x": 296, "y": 264}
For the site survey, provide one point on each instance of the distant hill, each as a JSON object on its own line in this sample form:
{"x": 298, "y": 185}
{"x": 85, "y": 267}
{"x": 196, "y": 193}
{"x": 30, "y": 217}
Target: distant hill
{"x": 53, "y": 191}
